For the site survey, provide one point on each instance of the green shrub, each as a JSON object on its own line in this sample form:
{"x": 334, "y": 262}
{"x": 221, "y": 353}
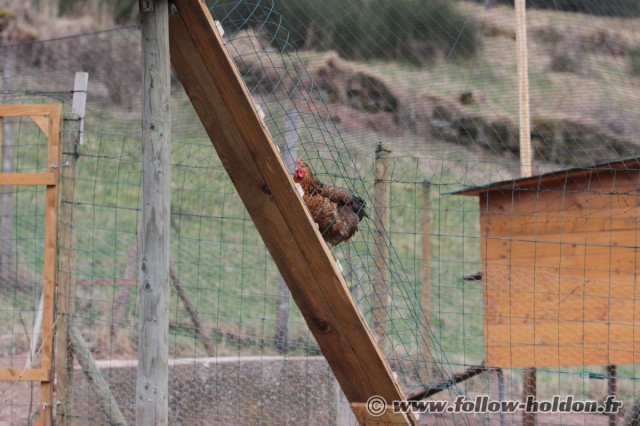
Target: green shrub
{"x": 563, "y": 54}
{"x": 416, "y": 30}
{"x": 410, "y": 30}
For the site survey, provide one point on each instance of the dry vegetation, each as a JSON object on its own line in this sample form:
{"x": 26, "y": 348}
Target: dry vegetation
{"x": 584, "y": 96}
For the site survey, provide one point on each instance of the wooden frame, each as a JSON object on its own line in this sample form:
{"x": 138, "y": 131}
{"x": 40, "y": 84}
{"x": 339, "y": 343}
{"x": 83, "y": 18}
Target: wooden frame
{"x": 48, "y": 117}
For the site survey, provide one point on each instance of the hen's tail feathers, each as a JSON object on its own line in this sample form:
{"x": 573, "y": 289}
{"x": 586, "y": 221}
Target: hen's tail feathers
{"x": 359, "y": 205}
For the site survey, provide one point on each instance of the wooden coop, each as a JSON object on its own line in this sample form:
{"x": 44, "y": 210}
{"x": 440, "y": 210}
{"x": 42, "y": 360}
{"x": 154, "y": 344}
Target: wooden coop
{"x": 560, "y": 267}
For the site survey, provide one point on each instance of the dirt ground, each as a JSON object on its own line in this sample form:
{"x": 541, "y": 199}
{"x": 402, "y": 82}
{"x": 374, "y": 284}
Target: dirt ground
{"x": 18, "y": 400}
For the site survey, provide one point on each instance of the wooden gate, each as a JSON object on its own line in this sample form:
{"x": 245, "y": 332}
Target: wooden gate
{"x": 48, "y": 118}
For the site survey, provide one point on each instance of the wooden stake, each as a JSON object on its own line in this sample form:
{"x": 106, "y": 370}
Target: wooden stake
{"x": 381, "y": 298}
{"x": 207, "y": 342}
{"x": 94, "y": 377}
{"x": 152, "y": 399}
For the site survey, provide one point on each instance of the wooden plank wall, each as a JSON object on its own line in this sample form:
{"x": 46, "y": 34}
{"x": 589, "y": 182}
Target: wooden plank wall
{"x": 220, "y": 98}
{"x": 560, "y": 276}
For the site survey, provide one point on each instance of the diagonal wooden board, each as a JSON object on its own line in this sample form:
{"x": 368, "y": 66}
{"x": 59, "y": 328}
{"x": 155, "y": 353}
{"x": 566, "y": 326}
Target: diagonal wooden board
{"x": 221, "y": 99}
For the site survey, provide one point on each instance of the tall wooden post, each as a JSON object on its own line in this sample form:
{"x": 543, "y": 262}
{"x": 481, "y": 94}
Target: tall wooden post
{"x": 67, "y": 248}
{"x": 153, "y": 326}
{"x": 381, "y": 299}
{"x": 526, "y": 155}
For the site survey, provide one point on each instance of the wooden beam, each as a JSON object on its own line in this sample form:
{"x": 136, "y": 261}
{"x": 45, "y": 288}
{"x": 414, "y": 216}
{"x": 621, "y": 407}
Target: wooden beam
{"x": 27, "y": 110}
{"x": 42, "y": 122}
{"x": 30, "y": 375}
{"x": 152, "y": 396}
{"x": 50, "y": 265}
{"x": 28, "y": 179}
{"x": 247, "y": 152}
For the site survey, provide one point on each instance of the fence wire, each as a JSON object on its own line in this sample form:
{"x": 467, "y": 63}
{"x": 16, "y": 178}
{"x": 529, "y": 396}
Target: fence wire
{"x": 438, "y": 88}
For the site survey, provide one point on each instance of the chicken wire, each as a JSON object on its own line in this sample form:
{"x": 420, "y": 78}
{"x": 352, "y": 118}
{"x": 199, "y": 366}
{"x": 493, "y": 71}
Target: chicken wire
{"x": 332, "y": 112}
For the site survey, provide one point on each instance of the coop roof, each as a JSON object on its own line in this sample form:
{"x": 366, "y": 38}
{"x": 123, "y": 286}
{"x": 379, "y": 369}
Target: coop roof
{"x": 556, "y": 177}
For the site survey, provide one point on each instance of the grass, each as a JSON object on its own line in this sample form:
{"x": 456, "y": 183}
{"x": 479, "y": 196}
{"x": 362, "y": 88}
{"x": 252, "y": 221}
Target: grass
{"x": 226, "y": 268}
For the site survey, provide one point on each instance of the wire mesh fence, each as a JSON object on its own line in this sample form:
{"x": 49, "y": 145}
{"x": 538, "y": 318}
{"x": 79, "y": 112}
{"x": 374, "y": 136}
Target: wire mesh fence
{"x": 437, "y": 88}
{"x": 22, "y": 263}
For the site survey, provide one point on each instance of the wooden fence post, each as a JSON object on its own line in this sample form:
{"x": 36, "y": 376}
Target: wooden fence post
{"x": 381, "y": 298}
{"x": 67, "y": 248}
{"x": 152, "y": 399}
{"x": 426, "y": 272}
{"x": 426, "y": 250}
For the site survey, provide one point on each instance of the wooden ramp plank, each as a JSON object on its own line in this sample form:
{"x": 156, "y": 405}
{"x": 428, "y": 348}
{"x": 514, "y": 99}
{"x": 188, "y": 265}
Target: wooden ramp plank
{"x": 247, "y": 152}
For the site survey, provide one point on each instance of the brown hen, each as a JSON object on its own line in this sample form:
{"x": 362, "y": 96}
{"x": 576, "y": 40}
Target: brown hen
{"x": 336, "y": 211}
